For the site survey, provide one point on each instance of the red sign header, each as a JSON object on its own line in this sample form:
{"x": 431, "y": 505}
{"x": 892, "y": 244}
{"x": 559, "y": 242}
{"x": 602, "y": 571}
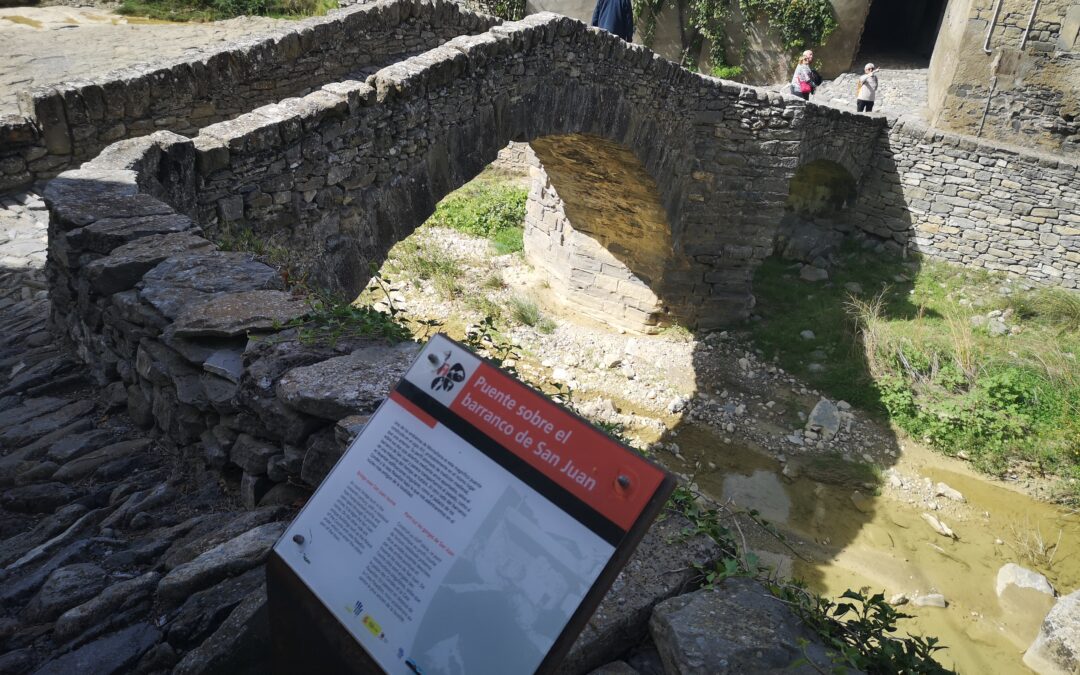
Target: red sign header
{"x": 577, "y": 457}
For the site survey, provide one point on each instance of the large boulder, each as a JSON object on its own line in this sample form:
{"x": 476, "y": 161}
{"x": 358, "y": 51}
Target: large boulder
{"x": 824, "y": 419}
{"x": 1056, "y": 650}
{"x": 1025, "y": 598}
{"x": 737, "y": 627}
{"x": 346, "y": 385}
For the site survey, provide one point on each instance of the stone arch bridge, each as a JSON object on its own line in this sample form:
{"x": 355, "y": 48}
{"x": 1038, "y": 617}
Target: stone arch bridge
{"x": 662, "y": 190}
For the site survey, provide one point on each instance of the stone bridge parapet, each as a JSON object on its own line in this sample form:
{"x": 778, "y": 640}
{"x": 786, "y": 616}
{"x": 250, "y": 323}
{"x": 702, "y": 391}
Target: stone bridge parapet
{"x": 62, "y": 126}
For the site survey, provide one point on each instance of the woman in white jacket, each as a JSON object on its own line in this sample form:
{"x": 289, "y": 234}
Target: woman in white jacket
{"x": 802, "y": 83}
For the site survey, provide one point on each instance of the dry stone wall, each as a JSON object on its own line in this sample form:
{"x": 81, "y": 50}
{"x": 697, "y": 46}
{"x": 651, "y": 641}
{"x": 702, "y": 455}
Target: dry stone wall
{"x": 196, "y": 333}
{"x": 60, "y": 127}
{"x": 975, "y": 203}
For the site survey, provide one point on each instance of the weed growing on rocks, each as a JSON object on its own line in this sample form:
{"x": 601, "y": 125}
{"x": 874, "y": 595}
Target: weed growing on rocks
{"x": 331, "y": 320}
{"x": 491, "y": 207}
{"x": 526, "y": 313}
{"x": 417, "y": 262}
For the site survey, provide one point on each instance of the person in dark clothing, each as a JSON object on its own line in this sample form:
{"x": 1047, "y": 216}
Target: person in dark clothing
{"x": 615, "y": 16}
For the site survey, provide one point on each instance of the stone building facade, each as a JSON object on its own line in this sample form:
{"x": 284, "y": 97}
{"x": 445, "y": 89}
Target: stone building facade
{"x": 1009, "y": 70}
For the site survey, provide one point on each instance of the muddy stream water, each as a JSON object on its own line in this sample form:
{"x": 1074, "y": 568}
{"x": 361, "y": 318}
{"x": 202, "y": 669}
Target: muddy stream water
{"x": 888, "y": 546}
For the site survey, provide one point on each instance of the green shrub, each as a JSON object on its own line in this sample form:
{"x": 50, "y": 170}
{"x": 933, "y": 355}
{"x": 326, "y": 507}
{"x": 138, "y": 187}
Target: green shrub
{"x": 420, "y": 262}
{"x": 910, "y": 352}
{"x": 725, "y": 72}
{"x": 210, "y": 10}
{"x": 526, "y": 313}
{"x": 482, "y": 208}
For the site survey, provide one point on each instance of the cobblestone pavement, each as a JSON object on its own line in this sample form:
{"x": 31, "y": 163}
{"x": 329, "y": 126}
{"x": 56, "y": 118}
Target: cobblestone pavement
{"x": 49, "y": 45}
{"x": 902, "y": 87}
{"x": 117, "y": 553}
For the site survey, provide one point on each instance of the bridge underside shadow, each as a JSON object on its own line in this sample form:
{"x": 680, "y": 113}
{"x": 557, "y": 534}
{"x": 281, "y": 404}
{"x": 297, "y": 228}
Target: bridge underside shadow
{"x": 596, "y": 229}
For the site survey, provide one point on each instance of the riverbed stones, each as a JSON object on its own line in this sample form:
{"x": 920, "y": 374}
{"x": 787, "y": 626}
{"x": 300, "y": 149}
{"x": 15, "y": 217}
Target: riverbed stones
{"x": 222, "y": 561}
{"x": 930, "y": 600}
{"x": 824, "y": 419}
{"x": 737, "y": 627}
{"x": 943, "y": 490}
{"x": 65, "y": 588}
{"x": 811, "y": 273}
{"x": 939, "y": 526}
{"x": 1056, "y": 650}
{"x": 1025, "y": 597}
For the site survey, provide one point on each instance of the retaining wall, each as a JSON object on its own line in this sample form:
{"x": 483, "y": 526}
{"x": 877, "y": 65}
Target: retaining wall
{"x": 196, "y": 333}
{"x": 974, "y": 203}
{"x": 61, "y": 126}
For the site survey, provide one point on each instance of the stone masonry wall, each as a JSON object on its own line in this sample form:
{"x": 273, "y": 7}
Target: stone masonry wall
{"x": 1026, "y": 90}
{"x": 195, "y": 333}
{"x": 65, "y": 125}
{"x": 339, "y": 176}
{"x": 980, "y": 204}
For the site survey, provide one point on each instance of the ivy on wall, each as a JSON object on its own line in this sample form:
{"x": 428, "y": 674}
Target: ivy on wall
{"x": 800, "y": 23}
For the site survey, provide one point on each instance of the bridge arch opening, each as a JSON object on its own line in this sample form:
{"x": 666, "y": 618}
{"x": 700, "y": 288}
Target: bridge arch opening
{"x": 593, "y": 229}
{"x": 816, "y": 213}
{"x": 597, "y": 229}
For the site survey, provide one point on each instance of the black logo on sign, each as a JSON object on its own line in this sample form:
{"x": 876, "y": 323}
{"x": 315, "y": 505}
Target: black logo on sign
{"x": 446, "y": 375}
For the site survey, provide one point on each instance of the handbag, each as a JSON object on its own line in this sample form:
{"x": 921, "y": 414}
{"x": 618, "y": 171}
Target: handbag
{"x": 804, "y": 87}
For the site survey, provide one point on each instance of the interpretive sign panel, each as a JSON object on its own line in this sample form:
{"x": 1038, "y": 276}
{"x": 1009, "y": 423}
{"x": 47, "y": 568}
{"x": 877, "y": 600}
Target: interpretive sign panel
{"x": 473, "y": 525}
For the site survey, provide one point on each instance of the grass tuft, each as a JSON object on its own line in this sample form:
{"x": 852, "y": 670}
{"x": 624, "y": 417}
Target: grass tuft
{"x": 214, "y": 10}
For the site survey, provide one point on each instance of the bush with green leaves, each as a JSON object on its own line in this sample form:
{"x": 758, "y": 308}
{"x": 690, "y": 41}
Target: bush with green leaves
{"x": 801, "y": 23}
{"x": 486, "y": 208}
